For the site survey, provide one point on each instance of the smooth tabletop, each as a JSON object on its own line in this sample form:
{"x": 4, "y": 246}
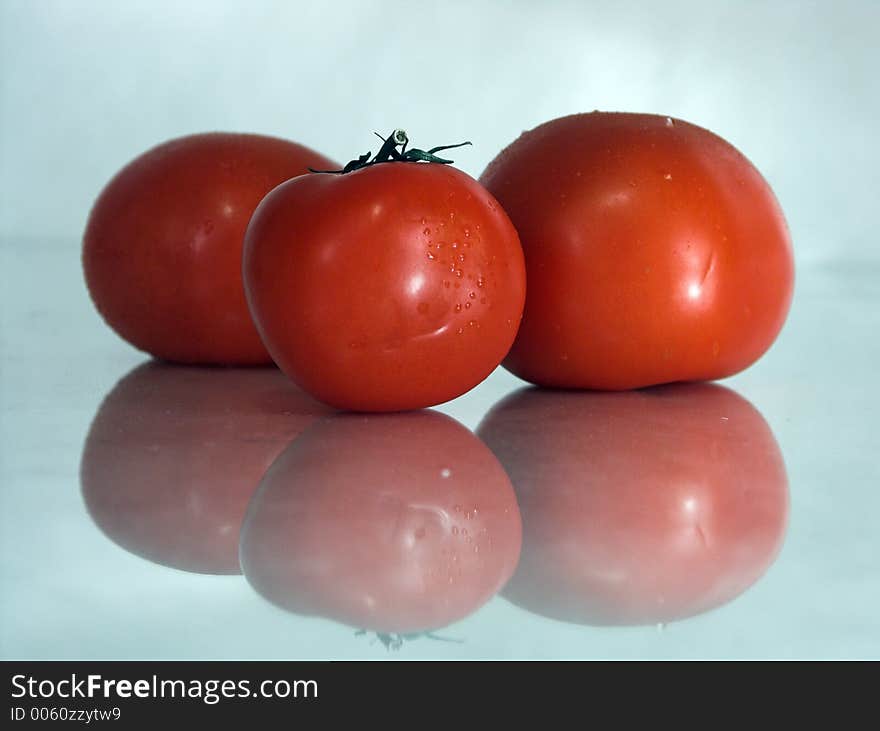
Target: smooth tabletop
{"x": 123, "y": 488}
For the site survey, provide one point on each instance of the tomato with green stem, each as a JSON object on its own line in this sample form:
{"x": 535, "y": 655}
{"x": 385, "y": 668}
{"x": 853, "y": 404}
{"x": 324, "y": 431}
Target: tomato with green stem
{"x": 395, "y": 283}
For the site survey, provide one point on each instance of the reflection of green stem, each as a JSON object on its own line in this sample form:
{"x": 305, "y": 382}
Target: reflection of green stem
{"x": 394, "y": 640}
{"x": 389, "y": 153}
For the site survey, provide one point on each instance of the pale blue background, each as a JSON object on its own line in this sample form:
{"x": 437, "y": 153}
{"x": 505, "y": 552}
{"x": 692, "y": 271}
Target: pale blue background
{"x": 85, "y": 86}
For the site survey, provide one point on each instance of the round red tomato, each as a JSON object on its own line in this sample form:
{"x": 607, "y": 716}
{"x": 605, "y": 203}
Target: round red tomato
{"x": 394, "y": 523}
{"x": 655, "y": 252}
{"x": 639, "y": 508}
{"x": 162, "y": 248}
{"x": 396, "y": 286}
{"x": 174, "y": 454}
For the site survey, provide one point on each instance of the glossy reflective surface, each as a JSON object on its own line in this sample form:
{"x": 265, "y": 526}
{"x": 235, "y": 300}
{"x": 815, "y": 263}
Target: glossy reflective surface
{"x": 398, "y": 523}
{"x": 739, "y": 517}
{"x": 174, "y": 454}
{"x": 641, "y": 507}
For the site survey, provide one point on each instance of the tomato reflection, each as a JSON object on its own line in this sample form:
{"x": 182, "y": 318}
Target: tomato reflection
{"x": 174, "y": 454}
{"x": 640, "y": 507}
{"x": 394, "y": 523}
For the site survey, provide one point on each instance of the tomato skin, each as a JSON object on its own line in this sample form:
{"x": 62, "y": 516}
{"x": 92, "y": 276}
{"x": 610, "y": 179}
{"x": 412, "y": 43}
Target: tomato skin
{"x": 174, "y": 454}
{"x": 162, "y": 247}
{"x": 642, "y": 507}
{"x": 655, "y": 252}
{"x": 397, "y": 286}
{"x": 393, "y": 523}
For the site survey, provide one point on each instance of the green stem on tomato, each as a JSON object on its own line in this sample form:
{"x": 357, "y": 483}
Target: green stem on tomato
{"x": 389, "y": 152}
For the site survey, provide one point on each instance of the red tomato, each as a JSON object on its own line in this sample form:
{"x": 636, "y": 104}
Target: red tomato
{"x": 162, "y": 248}
{"x": 642, "y": 507}
{"x": 174, "y": 454}
{"x": 655, "y": 252}
{"x": 393, "y": 523}
{"x": 397, "y": 286}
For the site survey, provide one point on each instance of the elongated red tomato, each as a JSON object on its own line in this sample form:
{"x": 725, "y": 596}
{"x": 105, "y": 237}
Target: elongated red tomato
{"x": 174, "y": 454}
{"x": 655, "y": 252}
{"x": 394, "y": 523}
{"x": 162, "y": 248}
{"x": 396, "y": 286}
{"x": 642, "y": 507}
